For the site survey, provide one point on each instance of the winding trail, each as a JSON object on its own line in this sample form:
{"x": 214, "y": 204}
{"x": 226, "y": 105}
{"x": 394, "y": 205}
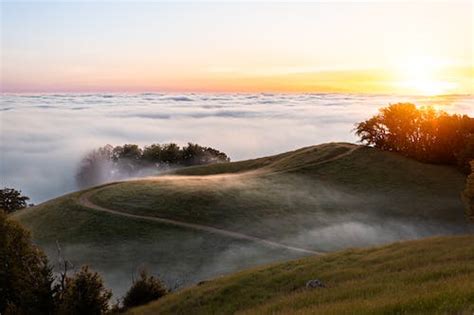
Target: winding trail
{"x": 86, "y": 202}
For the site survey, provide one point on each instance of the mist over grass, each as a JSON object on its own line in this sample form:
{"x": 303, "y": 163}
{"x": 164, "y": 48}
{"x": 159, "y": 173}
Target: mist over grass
{"x": 44, "y": 136}
{"x": 180, "y": 261}
{"x": 321, "y": 198}
{"x": 119, "y": 247}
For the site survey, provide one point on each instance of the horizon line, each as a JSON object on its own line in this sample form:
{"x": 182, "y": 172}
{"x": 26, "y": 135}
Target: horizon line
{"x": 191, "y": 92}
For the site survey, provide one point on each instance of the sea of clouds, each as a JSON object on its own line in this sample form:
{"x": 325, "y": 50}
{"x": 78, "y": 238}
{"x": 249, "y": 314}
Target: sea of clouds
{"x": 44, "y": 136}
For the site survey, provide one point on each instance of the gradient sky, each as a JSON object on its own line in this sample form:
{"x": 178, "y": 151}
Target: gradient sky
{"x": 377, "y": 47}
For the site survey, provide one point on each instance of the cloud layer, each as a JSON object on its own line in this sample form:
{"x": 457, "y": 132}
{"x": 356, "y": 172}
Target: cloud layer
{"x": 44, "y": 136}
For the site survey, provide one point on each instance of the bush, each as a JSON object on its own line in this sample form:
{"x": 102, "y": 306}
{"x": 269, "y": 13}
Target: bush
{"x": 84, "y": 294}
{"x": 144, "y": 290}
{"x": 424, "y": 134}
{"x": 26, "y": 278}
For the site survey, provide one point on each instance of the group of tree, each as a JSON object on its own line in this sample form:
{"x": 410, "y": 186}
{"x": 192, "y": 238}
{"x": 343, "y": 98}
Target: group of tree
{"x": 425, "y": 134}
{"x": 12, "y": 200}
{"x": 29, "y": 286}
{"x": 112, "y": 163}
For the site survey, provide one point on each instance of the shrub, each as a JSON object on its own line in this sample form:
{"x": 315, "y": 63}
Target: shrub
{"x": 84, "y": 293}
{"x": 144, "y": 290}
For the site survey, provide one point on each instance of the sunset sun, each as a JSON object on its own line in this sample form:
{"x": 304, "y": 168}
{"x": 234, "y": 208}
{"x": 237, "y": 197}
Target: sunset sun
{"x": 424, "y": 76}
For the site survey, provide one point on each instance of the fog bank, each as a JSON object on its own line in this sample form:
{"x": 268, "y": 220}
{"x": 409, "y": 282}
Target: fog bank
{"x": 43, "y": 136}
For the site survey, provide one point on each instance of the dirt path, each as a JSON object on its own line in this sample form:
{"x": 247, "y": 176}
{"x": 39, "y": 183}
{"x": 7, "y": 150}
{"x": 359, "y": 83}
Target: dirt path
{"x": 86, "y": 202}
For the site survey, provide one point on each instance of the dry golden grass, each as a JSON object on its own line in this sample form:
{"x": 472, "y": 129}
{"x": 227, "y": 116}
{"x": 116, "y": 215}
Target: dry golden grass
{"x": 431, "y": 276}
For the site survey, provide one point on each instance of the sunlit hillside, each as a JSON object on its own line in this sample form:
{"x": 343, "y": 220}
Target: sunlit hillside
{"x": 430, "y": 276}
{"x": 220, "y": 218}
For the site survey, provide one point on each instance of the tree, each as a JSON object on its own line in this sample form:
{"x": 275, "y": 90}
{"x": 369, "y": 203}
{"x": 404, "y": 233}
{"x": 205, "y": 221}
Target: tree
{"x": 127, "y": 151}
{"x": 468, "y": 194}
{"x": 28, "y": 286}
{"x": 215, "y": 156}
{"x": 194, "y": 154}
{"x": 115, "y": 163}
{"x": 95, "y": 167}
{"x": 423, "y": 133}
{"x": 170, "y": 154}
{"x": 152, "y": 154}
{"x": 127, "y": 159}
{"x": 26, "y": 279}
{"x": 144, "y": 290}
{"x": 84, "y": 293}
{"x": 12, "y": 200}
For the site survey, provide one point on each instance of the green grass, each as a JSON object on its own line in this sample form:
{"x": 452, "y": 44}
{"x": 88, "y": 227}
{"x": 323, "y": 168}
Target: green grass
{"x": 280, "y": 162}
{"x": 307, "y": 188}
{"x": 117, "y": 247}
{"x": 431, "y": 276}
{"x": 325, "y": 197}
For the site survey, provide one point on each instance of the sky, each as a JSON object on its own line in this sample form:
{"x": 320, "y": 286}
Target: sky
{"x": 416, "y": 47}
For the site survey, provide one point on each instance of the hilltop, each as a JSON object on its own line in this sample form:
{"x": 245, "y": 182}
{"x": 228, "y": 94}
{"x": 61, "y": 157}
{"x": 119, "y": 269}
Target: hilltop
{"x": 209, "y": 220}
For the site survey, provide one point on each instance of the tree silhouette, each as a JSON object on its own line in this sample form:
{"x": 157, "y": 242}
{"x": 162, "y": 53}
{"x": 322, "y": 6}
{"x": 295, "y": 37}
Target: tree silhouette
{"x": 95, "y": 167}
{"x": 84, "y": 293}
{"x": 12, "y": 200}
{"x": 26, "y": 279}
{"x": 420, "y": 133}
{"x": 144, "y": 290}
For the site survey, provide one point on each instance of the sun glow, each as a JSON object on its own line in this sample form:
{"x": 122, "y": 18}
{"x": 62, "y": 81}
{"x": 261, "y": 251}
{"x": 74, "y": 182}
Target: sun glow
{"x": 423, "y": 76}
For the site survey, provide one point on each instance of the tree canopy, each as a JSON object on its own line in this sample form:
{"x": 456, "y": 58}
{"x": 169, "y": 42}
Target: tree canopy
{"x": 12, "y": 200}
{"x": 84, "y": 293}
{"x": 113, "y": 163}
{"x": 28, "y": 285}
{"x": 26, "y": 279}
{"x": 424, "y": 134}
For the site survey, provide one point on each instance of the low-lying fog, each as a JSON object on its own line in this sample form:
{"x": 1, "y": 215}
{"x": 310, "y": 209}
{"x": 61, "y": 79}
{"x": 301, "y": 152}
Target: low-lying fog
{"x": 44, "y": 136}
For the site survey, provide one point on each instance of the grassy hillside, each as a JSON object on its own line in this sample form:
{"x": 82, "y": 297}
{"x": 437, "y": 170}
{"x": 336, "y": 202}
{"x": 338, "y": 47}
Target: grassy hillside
{"x": 323, "y": 198}
{"x": 431, "y": 276}
{"x": 289, "y": 195}
{"x": 280, "y": 162}
{"x": 117, "y": 247}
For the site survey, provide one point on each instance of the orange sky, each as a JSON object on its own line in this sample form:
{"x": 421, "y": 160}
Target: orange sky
{"x": 415, "y": 47}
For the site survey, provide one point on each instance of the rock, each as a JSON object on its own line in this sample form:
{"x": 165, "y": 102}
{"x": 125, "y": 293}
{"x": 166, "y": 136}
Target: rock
{"x": 315, "y": 283}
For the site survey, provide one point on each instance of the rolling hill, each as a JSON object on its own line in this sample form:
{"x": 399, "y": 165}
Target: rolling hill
{"x": 429, "y": 276}
{"x": 205, "y": 221}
